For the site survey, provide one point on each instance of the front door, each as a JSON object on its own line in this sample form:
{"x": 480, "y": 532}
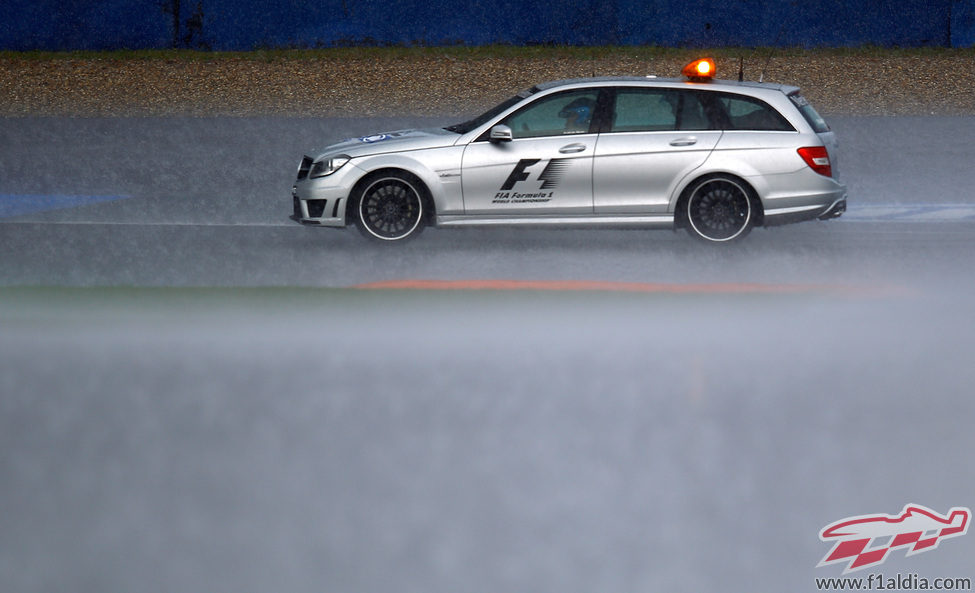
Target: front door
{"x": 545, "y": 169}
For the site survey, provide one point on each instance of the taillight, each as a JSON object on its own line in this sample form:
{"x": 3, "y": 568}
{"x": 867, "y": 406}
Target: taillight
{"x": 817, "y": 158}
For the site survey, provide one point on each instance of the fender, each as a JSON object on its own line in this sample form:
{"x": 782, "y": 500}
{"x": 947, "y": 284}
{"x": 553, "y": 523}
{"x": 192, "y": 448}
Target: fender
{"x": 756, "y": 172}
{"x": 439, "y": 171}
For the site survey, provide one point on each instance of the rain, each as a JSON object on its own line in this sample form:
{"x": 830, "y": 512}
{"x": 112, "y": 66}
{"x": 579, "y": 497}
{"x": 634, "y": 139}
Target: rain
{"x": 199, "y": 394}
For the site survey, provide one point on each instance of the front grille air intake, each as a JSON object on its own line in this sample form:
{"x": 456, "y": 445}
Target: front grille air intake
{"x": 316, "y": 208}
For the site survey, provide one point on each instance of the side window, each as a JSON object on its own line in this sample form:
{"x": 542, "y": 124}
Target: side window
{"x": 645, "y": 110}
{"x": 693, "y": 114}
{"x": 570, "y": 112}
{"x": 746, "y": 113}
{"x": 660, "y": 109}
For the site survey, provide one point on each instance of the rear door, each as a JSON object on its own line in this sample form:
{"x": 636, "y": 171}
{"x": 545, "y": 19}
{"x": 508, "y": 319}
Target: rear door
{"x": 756, "y": 135}
{"x": 655, "y": 137}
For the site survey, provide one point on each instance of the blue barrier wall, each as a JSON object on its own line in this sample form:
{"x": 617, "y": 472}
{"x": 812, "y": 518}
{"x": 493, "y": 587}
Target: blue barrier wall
{"x": 111, "y": 24}
{"x": 249, "y": 24}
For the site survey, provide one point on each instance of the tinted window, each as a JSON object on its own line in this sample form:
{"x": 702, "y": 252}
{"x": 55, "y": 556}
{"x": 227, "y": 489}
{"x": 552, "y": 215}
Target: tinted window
{"x": 570, "y": 112}
{"x": 746, "y": 113}
{"x": 693, "y": 114}
{"x": 815, "y": 120}
{"x": 654, "y": 110}
{"x": 645, "y": 110}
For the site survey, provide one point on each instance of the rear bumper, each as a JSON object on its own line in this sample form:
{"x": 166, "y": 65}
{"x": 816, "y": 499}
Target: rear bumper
{"x": 803, "y": 195}
{"x": 834, "y": 211}
{"x": 832, "y": 207}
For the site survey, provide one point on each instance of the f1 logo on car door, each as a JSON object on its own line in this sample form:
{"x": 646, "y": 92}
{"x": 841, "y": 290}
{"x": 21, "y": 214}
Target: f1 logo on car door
{"x": 550, "y": 176}
{"x": 519, "y": 173}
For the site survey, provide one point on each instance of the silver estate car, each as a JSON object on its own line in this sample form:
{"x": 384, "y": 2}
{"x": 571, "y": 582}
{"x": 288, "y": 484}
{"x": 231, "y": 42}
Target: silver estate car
{"x": 714, "y": 157}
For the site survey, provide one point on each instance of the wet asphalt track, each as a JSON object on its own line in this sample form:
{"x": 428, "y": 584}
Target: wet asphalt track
{"x": 274, "y": 430}
{"x": 204, "y": 202}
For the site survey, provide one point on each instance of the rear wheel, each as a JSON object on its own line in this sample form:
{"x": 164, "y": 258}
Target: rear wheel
{"x": 390, "y": 207}
{"x": 719, "y": 210}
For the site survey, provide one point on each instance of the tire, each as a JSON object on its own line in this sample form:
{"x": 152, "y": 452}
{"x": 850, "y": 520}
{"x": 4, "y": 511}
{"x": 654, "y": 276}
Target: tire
{"x": 719, "y": 209}
{"x": 390, "y": 207}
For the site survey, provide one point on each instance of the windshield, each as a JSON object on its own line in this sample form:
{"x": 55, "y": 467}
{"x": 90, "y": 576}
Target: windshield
{"x": 490, "y": 114}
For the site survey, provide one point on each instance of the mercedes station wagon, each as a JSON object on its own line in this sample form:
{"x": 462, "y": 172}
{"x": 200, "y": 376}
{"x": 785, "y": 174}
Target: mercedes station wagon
{"x": 714, "y": 157}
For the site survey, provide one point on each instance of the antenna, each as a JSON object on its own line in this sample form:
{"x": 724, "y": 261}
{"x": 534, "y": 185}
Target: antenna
{"x": 775, "y": 46}
{"x": 741, "y": 68}
{"x": 761, "y": 77}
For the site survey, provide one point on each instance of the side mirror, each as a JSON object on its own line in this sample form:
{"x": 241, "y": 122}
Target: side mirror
{"x": 501, "y": 133}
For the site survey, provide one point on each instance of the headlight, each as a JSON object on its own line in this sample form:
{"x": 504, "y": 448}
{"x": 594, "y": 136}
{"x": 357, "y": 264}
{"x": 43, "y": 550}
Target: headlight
{"x": 327, "y": 166}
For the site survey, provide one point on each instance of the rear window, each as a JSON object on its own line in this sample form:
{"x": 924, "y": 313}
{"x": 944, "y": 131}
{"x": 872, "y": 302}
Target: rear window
{"x": 815, "y": 120}
{"x": 747, "y": 113}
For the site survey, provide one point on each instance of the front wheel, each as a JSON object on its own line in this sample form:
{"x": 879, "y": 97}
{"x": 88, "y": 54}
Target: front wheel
{"x": 719, "y": 210}
{"x": 389, "y": 208}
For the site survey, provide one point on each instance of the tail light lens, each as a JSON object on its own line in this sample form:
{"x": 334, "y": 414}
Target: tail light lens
{"x": 817, "y": 158}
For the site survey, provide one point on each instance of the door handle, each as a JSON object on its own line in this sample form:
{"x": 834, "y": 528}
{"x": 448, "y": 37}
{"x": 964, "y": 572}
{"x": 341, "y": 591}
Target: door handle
{"x": 684, "y": 142}
{"x": 572, "y": 148}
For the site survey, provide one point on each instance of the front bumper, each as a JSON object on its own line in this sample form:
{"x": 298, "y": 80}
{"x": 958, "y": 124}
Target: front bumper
{"x": 323, "y": 201}
{"x": 318, "y": 211}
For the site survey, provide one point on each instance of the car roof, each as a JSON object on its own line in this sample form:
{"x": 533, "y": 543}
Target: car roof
{"x": 656, "y": 81}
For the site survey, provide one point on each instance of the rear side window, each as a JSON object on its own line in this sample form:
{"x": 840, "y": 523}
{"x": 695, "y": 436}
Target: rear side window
{"x": 656, "y": 110}
{"x": 747, "y": 113}
{"x": 815, "y": 120}
{"x": 645, "y": 110}
{"x": 693, "y": 114}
